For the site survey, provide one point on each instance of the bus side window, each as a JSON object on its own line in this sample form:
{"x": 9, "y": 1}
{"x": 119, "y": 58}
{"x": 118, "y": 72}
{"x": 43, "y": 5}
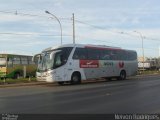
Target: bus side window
{"x": 80, "y": 53}
{"x": 121, "y": 55}
{"x": 132, "y": 55}
{"x": 93, "y": 54}
{"x": 105, "y": 55}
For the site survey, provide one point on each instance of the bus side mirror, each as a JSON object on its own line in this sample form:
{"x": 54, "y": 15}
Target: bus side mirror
{"x": 51, "y": 55}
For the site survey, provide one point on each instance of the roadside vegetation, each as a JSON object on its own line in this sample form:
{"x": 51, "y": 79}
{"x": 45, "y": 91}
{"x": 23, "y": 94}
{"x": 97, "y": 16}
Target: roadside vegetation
{"x": 148, "y": 72}
{"x": 33, "y": 79}
{"x": 20, "y": 80}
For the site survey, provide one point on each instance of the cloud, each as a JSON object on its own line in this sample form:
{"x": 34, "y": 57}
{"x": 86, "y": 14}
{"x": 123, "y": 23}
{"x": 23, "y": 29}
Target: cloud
{"x": 14, "y": 18}
{"x": 112, "y": 16}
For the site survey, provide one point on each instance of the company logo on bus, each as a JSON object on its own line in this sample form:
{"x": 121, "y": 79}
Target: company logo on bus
{"x": 121, "y": 64}
{"x": 89, "y": 64}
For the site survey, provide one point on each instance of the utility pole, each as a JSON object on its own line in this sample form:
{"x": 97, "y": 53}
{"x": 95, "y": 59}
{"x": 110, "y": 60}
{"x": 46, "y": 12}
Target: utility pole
{"x": 73, "y": 28}
{"x": 142, "y": 37}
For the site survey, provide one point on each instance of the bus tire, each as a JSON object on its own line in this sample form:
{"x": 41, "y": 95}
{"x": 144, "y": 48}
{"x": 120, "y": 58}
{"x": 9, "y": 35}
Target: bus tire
{"x": 122, "y": 75}
{"x": 76, "y": 78}
{"x": 61, "y": 83}
{"x": 108, "y": 78}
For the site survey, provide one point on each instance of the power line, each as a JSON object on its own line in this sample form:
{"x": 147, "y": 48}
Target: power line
{"x": 90, "y": 25}
{"x": 122, "y": 33}
{"x": 97, "y": 27}
{"x": 144, "y": 37}
{"x": 27, "y": 14}
{"x": 98, "y": 40}
{"x": 85, "y": 23}
{"x": 50, "y": 35}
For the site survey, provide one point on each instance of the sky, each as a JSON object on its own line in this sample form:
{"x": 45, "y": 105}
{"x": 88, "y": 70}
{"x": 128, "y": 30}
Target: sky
{"x": 25, "y": 28}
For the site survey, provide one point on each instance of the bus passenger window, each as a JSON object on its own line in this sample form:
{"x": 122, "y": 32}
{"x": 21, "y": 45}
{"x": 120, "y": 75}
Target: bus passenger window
{"x": 93, "y": 54}
{"x": 105, "y": 55}
{"x": 80, "y": 53}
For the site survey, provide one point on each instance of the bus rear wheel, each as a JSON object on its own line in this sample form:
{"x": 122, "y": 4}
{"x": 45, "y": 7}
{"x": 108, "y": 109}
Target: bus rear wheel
{"x": 122, "y": 75}
{"x": 76, "y": 78}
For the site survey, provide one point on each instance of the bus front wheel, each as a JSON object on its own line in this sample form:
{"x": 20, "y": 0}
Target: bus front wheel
{"x": 76, "y": 78}
{"x": 61, "y": 83}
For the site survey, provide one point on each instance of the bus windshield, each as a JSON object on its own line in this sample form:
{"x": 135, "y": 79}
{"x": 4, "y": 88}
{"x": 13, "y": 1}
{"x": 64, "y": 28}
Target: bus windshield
{"x": 2, "y": 62}
{"x": 45, "y": 62}
{"x": 59, "y": 58}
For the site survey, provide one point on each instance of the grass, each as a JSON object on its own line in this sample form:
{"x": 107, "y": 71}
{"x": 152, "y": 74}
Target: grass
{"x": 20, "y": 80}
{"x": 148, "y": 72}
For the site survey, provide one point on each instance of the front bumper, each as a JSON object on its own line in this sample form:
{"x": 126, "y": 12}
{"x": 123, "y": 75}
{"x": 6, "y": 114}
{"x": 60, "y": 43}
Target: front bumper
{"x": 46, "y": 77}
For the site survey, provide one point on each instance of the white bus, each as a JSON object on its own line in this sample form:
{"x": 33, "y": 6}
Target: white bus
{"x": 76, "y": 62}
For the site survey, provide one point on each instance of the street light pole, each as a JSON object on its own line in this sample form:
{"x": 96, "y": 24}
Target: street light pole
{"x": 142, "y": 47}
{"x": 58, "y": 22}
{"x": 73, "y": 29}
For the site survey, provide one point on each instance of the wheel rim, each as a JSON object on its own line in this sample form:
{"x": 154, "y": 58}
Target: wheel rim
{"x": 75, "y": 78}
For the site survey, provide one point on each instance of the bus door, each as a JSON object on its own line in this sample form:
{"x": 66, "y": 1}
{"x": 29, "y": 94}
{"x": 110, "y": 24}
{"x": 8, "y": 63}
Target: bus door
{"x": 60, "y": 66}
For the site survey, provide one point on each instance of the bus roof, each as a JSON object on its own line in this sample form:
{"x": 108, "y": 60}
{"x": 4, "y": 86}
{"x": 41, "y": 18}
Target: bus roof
{"x": 80, "y": 45}
{"x": 85, "y": 46}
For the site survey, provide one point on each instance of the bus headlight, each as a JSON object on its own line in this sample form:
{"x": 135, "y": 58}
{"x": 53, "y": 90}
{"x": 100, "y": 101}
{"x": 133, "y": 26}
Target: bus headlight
{"x": 50, "y": 73}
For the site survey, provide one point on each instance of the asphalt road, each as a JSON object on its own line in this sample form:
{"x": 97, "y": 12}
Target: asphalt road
{"x": 134, "y": 95}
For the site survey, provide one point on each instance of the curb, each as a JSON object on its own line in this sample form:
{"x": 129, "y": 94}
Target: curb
{"x": 21, "y": 84}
